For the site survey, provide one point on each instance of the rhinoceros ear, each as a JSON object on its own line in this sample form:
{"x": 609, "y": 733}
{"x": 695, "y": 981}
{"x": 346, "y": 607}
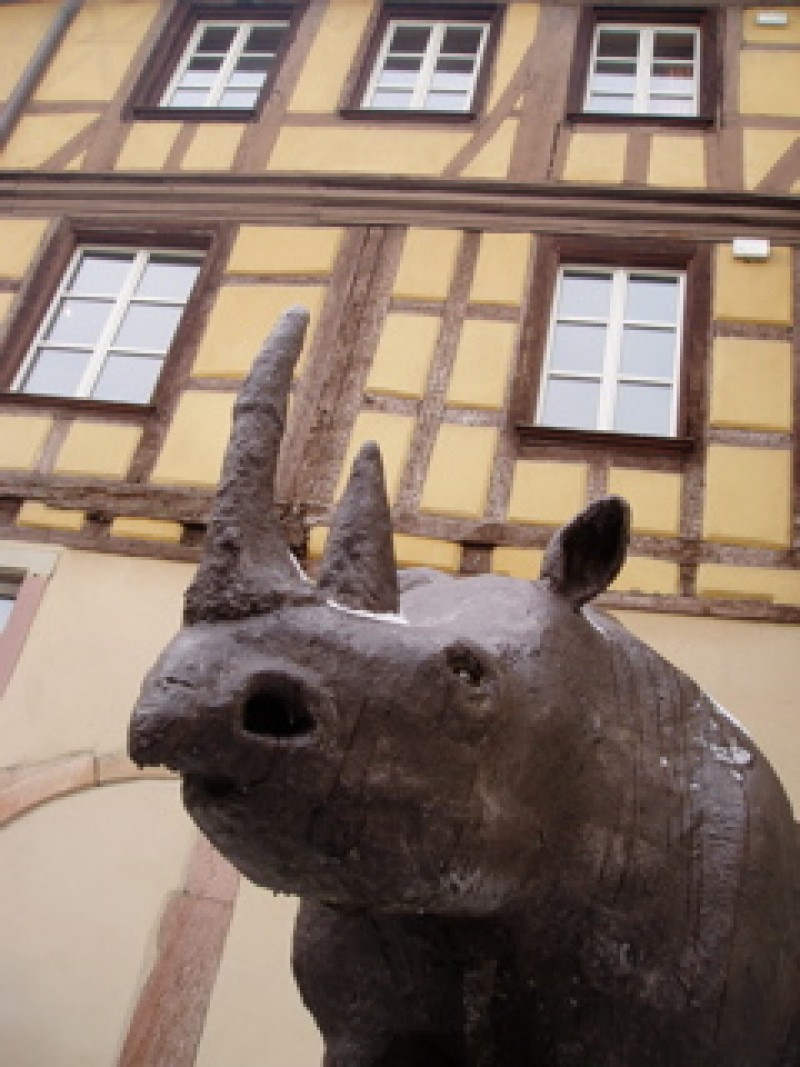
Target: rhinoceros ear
{"x": 587, "y": 554}
{"x": 358, "y": 568}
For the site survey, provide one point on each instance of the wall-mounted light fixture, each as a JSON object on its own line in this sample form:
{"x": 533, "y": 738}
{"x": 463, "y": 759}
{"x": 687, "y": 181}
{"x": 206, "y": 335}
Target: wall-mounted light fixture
{"x": 751, "y": 248}
{"x": 772, "y": 18}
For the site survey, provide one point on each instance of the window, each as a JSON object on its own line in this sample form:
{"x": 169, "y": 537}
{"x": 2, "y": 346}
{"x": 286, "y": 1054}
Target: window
{"x": 214, "y": 60}
{"x": 225, "y": 65}
{"x": 24, "y": 574}
{"x": 110, "y": 326}
{"x": 9, "y": 590}
{"x": 644, "y": 70}
{"x": 612, "y": 358}
{"x": 427, "y": 66}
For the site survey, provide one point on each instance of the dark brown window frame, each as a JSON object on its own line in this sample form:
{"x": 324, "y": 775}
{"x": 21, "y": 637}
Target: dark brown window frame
{"x": 145, "y": 100}
{"x": 39, "y": 289}
{"x": 705, "y": 19}
{"x": 553, "y": 252}
{"x": 491, "y": 14}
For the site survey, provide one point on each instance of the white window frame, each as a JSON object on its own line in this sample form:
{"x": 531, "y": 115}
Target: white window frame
{"x": 102, "y": 347}
{"x": 643, "y": 93}
{"x": 612, "y": 375}
{"x": 10, "y": 585}
{"x": 433, "y": 51}
{"x": 233, "y": 55}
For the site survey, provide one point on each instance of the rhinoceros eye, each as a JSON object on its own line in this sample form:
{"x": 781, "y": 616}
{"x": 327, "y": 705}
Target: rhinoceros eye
{"x": 465, "y": 665}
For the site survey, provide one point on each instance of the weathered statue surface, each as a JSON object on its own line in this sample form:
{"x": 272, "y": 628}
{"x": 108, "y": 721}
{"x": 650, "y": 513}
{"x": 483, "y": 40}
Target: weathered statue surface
{"x": 522, "y": 839}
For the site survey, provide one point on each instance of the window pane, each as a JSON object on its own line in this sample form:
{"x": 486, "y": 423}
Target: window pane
{"x": 394, "y": 100}
{"x": 264, "y": 39}
{"x": 148, "y": 327}
{"x": 79, "y": 322}
{"x": 610, "y": 105}
{"x": 187, "y": 98}
{"x": 197, "y": 79}
{"x": 651, "y": 299}
{"x": 167, "y": 279}
{"x": 6, "y": 607}
{"x": 251, "y": 80}
{"x": 410, "y": 38}
{"x": 648, "y": 353}
{"x": 462, "y": 40}
{"x": 578, "y": 348}
{"x": 617, "y": 78}
{"x": 584, "y": 296}
{"x": 129, "y": 379}
{"x": 399, "y": 72}
{"x": 447, "y": 102}
{"x": 100, "y": 275}
{"x": 571, "y": 403}
{"x": 56, "y": 372}
{"x": 675, "y": 79}
{"x": 453, "y": 74}
{"x": 240, "y": 98}
{"x": 666, "y": 105}
{"x": 617, "y": 43}
{"x": 674, "y": 46}
{"x": 216, "y": 39}
{"x": 644, "y": 409}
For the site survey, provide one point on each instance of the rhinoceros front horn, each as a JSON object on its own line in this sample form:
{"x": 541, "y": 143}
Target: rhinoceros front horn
{"x": 247, "y": 568}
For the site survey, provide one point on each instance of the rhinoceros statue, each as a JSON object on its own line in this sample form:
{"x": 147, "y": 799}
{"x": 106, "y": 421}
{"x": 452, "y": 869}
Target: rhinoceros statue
{"x": 521, "y": 838}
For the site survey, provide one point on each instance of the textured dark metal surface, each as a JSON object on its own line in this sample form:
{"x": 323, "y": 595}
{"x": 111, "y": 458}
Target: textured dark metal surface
{"x": 522, "y": 838}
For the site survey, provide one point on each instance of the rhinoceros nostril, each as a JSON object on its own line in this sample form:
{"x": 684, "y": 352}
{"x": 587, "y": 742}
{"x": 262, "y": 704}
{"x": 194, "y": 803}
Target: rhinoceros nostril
{"x": 277, "y": 709}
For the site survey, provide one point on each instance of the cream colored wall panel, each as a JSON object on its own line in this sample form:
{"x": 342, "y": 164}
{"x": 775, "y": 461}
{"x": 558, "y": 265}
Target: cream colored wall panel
{"x": 501, "y": 268}
{"x": 403, "y": 357}
{"x": 37, "y": 137}
{"x": 97, "y": 450}
{"x": 722, "y": 580}
{"x": 547, "y": 493}
{"x": 137, "y": 529}
{"x": 22, "y": 438}
{"x": 748, "y": 496}
{"x": 780, "y": 35}
{"x": 648, "y": 576}
{"x": 765, "y": 82}
{"x": 365, "y": 150}
{"x": 256, "y": 1014}
{"x": 320, "y": 84}
{"x": 751, "y": 384}
{"x": 22, "y": 27}
{"x": 85, "y": 881}
{"x": 196, "y": 440}
{"x": 426, "y": 552}
{"x": 678, "y": 162}
{"x": 493, "y": 159}
{"x": 427, "y": 264}
{"x": 762, "y": 150}
{"x": 752, "y": 291}
{"x": 38, "y": 516}
{"x": 517, "y": 562}
{"x": 483, "y": 361}
{"x": 97, "y": 51}
{"x": 596, "y": 157}
{"x": 19, "y": 243}
{"x": 240, "y": 321}
{"x": 392, "y": 433}
{"x": 517, "y": 35}
{"x": 102, "y": 623}
{"x": 147, "y": 145}
{"x": 654, "y": 496}
{"x": 460, "y": 468}
{"x": 213, "y": 147}
{"x": 285, "y": 250}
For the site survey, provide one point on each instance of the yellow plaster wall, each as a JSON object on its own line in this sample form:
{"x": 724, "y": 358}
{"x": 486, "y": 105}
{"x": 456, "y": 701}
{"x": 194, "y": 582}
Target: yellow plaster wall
{"x": 678, "y": 162}
{"x": 427, "y": 264}
{"x": 494, "y": 157}
{"x": 547, "y": 493}
{"x": 21, "y": 28}
{"x": 459, "y": 471}
{"x": 21, "y": 440}
{"x": 765, "y": 80}
{"x": 213, "y": 146}
{"x": 501, "y": 268}
{"x": 85, "y": 881}
{"x": 480, "y": 373}
{"x": 285, "y": 250}
{"x": 38, "y": 137}
{"x": 240, "y": 321}
{"x": 748, "y": 583}
{"x": 393, "y": 436}
{"x": 643, "y": 575}
{"x": 518, "y": 34}
{"x": 320, "y": 84}
{"x": 19, "y": 242}
{"x": 654, "y": 496}
{"x": 136, "y": 529}
{"x": 96, "y": 53}
{"x": 403, "y": 358}
{"x": 97, "y": 450}
{"x": 195, "y": 444}
{"x": 43, "y": 517}
{"x": 780, "y": 35}
{"x": 517, "y": 562}
{"x": 147, "y": 145}
{"x": 255, "y": 1014}
{"x": 751, "y": 384}
{"x": 751, "y": 291}
{"x": 426, "y": 552}
{"x": 596, "y": 157}
{"x": 762, "y": 150}
{"x": 365, "y": 150}
{"x": 748, "y": 496}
